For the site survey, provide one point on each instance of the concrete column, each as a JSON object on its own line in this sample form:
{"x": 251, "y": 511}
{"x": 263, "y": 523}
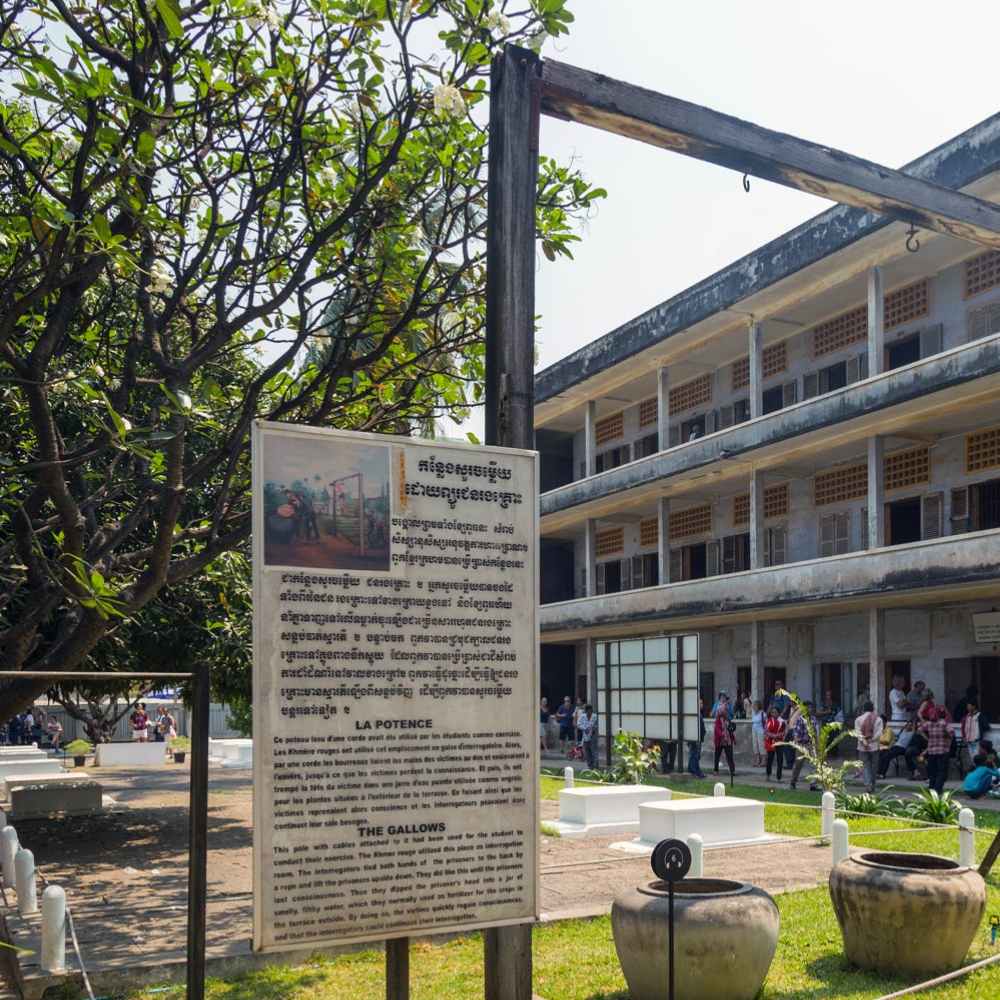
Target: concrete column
{"x": 663, "y": 536}
{"x": 590, "y": 556}
{"x": 757, "y": 692}
{"x": 876, "y": 321}
{"x": 876, "y": 493}
{"x": 876, "y": 657}
{"x": 719, "y": 791}
{"x": 590, "y": 437}
{"x": 756, "y": 348}
{"x": 756, "y": 519}
{"x": 53, "y": 929}
{"x": 663, "y": 407}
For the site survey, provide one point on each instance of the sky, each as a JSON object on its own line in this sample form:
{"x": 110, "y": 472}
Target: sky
{"x": 885, "y": 81}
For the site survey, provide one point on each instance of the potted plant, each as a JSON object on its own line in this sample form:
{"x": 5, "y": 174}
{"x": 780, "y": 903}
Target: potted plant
{"x": 179, "y": 747}
{"x": 78, "y": 750}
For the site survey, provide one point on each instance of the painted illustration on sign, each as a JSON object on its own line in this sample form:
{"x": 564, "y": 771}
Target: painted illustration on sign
{"x": 327, "y": 507}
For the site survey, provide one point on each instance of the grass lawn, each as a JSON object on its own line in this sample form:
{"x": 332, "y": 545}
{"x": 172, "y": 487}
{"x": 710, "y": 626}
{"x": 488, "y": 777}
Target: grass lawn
{"x": 575, "y": 960}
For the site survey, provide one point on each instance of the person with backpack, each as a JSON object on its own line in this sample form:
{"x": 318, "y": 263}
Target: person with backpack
{"x": 869, "y": 728}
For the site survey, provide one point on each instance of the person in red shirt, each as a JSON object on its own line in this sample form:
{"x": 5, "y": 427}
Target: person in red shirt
{"x": 774, "y": 733}
{"x": 939, "y": 735}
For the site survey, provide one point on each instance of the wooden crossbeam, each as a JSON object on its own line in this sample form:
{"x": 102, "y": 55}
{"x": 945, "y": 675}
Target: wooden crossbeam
{"x": 580, "y": 95}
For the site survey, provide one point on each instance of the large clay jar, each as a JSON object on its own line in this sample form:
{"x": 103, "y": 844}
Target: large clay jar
{"x": 725, "y": 934}
{"x": 906, "y": 914}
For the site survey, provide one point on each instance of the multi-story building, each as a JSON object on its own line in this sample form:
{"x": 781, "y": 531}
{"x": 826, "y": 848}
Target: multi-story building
{"x": 798, "y": 459}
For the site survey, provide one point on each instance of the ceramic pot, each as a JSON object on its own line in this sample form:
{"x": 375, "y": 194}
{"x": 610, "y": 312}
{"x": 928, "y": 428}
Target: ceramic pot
{"x": 903, "y": 914}
{"x": 725, "y": 934}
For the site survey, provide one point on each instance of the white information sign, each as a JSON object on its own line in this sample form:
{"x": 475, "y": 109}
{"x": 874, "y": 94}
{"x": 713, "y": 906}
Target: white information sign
{"x": 986, "y": 626}
{"x": 395, "y": 687}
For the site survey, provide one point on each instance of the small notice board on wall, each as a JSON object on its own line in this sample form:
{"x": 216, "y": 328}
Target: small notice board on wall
{"x": 986, "y": 627}
{"x": 395, "y": 687}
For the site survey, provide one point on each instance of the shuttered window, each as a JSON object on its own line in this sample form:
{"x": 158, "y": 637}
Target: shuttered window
{"x": 648, "y": 410}
{"x": 837, "y": 485}
{"x": 907, "y": 468}
{"x": 649, "y": 532}
{"x": 984, "y": 321}
{"x": 691, "y": 394}
{"x": 774, "y": 546}
{"x": 609, "y": 428}
{"x": 834, "y": 534}
{"x": 610, "y": 541}
{"x": 906, "y": 304}
{"x": 982, "y": 273}
{"x": 932, "y": 511}
{"x": 982, "y": 450}
{"x": 693, "y": 521}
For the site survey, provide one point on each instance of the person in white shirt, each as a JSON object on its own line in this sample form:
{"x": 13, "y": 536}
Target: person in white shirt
{"x": 899, "y": 705}
{"x": 869, "y": 728}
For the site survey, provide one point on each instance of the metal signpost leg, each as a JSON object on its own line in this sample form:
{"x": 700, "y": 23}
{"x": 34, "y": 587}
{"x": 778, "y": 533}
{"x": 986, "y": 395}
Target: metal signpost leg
{"x": 397, "y": 969}
{"x": 198, "y": 842}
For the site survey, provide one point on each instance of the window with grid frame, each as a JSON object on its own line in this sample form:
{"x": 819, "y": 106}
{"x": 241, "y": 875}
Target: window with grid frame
{"x": 906, "y": 304}
{"x": 838, "y": 332}
{"x": 649, "y": 532}
{"x": 774, "y": 360}
{"x": 776, "y": 500}
{"x": 648, "y": 412}
{"x": 693, "y": 521}
{"x": 846, "y": 483}
{"x": 610, "y": 541}
{"x": 691, "y": 394}
{"x": 741, "y": 509}
{"x": 609, "y": 428}
{"x": 906, "y": 468}
{"x": 982, "y": 450}
{"x": 741, "y": 374}
{"x": 982, "y": 273}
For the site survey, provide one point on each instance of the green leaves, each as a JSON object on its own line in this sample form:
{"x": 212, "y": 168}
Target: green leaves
{"x": 170, "y": 13}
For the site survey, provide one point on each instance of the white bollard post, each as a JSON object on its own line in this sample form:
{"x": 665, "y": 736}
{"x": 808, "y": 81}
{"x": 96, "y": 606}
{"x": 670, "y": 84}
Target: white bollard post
{"x": 841, "y": 848}
{"x": 696, "y": 846}
{"x": 966, "y": 838}
{"x": 720, "y": 790}
{"x": 53, "y": 929}
{"x": 568, "y": 776}
{"x": 24, "y": 877}
{"x": 8, "y": 848}
{"x": 828, "y": 814}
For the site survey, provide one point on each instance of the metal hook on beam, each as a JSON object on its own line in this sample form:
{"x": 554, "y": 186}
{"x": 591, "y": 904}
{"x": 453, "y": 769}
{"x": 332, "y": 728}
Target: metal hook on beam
{"x": 746, "y": 183}
{"x": 912, "y": 243}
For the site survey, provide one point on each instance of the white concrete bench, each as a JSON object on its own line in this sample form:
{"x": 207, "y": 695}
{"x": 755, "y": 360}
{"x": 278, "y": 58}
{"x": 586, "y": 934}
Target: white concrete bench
{"x": 12, "y": 781}
{"x": 600, "y": 811}
{"x": 231, "y": 752}
{"x": 21, "y": 753}
{"x": 72, "y": 796}
{"x": 717, "y": 821}
{"x": 135, "y": 754}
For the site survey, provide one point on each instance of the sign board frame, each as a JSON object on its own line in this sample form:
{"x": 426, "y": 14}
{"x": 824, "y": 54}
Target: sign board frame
{"x": 986, "y": 627}
{"x": 261, "y": 802}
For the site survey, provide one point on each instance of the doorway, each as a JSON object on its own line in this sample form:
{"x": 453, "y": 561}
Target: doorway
{"x": 987, "y": 504}
{"x": 903, "y": 352}
{"x": 902, "y": 521}
{"x": 772, "y": 674}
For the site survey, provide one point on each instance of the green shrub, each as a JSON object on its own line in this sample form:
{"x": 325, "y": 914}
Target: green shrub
{"x": 79, "y": 748}
{"x": 879, "y": 804}
{"x": 933, "y": 808}
{"x": 180, "y": 743}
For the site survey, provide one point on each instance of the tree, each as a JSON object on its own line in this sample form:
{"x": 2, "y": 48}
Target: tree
{"x": 188, "y": 196}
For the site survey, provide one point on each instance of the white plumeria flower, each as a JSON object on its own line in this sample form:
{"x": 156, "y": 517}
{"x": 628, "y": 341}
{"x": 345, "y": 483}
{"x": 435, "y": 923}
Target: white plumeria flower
{"x": 217, "y": 77}
{"x": 448, "y": 100}
{"x": 160, "y": 278}
{"x": 327, "y": 176}
{"x": 498, "y": 24}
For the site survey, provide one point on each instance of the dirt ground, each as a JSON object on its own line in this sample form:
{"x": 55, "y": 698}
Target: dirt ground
{"x": 126, "y": 871}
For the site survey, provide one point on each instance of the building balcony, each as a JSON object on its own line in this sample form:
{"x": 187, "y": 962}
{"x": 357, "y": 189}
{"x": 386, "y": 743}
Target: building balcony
{"x": 953, "y": 568}
{"x": 944, "y": 385}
